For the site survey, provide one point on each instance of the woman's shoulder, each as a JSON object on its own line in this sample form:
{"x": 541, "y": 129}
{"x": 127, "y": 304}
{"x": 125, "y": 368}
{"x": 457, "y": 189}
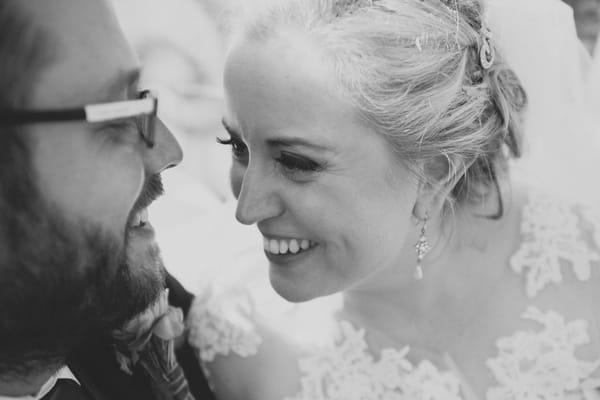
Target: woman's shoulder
{"x": 556, "y": 261}
{"x": 249, "y": 341}
{"x": 559, "y": 243}
{"x": 545, "y": 313}
{"x": 220, "y": 322}
{"x": 550, "y": 352}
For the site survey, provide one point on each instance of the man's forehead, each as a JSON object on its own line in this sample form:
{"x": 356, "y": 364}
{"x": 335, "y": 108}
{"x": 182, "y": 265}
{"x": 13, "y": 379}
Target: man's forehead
{"x": 93, "y": 60}
{"x": 122, "y": 82}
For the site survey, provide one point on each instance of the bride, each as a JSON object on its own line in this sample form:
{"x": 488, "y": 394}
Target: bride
{"x": 370, "y": 143}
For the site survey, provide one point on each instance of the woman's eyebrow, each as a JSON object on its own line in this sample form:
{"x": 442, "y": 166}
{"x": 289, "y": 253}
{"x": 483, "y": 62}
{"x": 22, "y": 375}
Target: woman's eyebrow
{"x": 283, "y": 141}
{"x": 230, "y": 129}
{"x": 297, "y": 141}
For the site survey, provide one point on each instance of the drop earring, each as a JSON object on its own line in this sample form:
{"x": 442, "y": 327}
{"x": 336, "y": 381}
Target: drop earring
{"x": 422, "y": 247}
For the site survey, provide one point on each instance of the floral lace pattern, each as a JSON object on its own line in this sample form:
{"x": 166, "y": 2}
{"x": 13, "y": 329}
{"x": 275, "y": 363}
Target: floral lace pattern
{"x": 551, "y": 234}
{"x": 218, "y": 327}
{"x": 592, "y": 216}
{"x": 347, "y": 371}
{"x": 541, "y": 365}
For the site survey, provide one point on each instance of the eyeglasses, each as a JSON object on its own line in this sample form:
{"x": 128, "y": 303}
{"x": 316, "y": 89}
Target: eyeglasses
{"x": 144, "y": 107}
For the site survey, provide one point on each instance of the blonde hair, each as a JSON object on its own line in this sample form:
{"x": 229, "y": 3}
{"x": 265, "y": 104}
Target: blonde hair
{"x": 412, "y": 70}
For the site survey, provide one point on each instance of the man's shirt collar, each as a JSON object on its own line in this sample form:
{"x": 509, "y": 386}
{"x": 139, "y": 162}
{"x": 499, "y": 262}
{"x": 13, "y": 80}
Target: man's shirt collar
{"x": 63, "y": 373}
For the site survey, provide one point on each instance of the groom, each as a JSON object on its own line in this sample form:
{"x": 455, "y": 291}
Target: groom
{"x": 81, "y": 152}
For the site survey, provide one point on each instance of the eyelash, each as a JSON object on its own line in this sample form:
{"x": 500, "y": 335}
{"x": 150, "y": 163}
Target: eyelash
{"x": 291, "y": 163}
{"x": 238, "y": 148}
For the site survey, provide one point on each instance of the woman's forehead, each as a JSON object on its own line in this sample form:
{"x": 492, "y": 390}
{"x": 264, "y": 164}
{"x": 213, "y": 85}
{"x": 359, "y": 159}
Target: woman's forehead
{"x": 283, "y": 82}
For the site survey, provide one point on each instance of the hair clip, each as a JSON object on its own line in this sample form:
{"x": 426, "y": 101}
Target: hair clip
{"x": 486, "y": 52}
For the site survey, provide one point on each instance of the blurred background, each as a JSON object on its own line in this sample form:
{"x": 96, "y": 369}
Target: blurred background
{"x": 587, "y": 18}
{"x": 182, "y": 45}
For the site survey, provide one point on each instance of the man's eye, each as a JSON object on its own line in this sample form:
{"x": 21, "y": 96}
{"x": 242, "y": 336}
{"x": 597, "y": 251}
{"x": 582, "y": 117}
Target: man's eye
{"x": 238, "y": 148}
{"x": 124, "y": 126}
{"x": 293, "y": 163}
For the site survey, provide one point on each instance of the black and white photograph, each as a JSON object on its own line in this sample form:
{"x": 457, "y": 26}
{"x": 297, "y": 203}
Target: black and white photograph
{"x": 300, "y": 200}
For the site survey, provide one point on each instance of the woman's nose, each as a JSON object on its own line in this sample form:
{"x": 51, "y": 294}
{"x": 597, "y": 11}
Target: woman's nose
{"x": 258, "y": 199}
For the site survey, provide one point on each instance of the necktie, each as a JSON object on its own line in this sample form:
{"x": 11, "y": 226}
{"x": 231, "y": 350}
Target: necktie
{"x": 66, "y": 389}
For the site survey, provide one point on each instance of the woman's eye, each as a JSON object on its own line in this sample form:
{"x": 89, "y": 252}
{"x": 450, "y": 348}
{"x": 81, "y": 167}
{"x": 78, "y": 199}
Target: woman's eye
{"x": 293, "y": 163}
{"x": 238, "y": 148}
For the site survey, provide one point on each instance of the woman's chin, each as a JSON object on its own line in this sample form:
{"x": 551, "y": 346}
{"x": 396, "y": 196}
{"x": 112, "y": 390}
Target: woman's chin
{"x": 290, "y": 290}
{"x": 297, "y": 290}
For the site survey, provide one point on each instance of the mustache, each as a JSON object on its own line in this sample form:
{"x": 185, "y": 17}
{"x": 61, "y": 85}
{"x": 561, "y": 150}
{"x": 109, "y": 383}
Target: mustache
{"x": 152, "y": 190}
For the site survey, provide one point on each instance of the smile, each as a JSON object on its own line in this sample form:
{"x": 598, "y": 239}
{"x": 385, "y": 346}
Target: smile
{"x": 140, "y": 219}
{"x": 286, "y": 246}
{"x": 140, "y": 228}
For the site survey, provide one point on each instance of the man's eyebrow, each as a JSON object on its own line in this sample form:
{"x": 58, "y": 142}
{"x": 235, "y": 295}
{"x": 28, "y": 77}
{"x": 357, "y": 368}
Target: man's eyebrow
{"x": 125, "y": 81}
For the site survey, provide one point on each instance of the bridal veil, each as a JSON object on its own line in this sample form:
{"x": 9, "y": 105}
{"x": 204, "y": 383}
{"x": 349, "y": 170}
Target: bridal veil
{"x": 562, "y": 126}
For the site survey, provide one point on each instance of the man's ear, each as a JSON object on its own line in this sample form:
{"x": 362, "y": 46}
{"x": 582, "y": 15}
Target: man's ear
{"x": 438, "y": 177}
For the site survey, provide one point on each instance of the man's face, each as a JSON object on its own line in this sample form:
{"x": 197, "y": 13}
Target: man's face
{"x": 93, "y": 173}
{"x": 94, "y": 180}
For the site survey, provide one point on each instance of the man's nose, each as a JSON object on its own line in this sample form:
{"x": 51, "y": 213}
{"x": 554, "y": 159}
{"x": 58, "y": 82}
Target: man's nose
{"x": 166, "y": 152}
{"x": 258, "y": 200}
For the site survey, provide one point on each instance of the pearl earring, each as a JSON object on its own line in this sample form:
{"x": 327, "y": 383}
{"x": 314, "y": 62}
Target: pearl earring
{"x": 422, "y": 247}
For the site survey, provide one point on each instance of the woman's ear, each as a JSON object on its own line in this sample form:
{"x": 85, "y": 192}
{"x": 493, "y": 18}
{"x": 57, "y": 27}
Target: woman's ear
{"x": 431, "y": 198}
{"x": 438, "y": 178}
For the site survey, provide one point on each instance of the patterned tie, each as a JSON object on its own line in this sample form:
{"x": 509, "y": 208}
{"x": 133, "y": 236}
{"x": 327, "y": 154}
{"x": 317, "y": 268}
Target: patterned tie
{"x": 66, "y": 389}
{"x": 147, "y": 342}
{"x": 159, "y": 362}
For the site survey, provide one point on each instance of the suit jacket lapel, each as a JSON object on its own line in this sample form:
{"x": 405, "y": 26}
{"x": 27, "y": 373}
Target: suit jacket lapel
{"x": 179, "y": 297}
{"x": 96, "y": 368}
{"x": 87, "y": 382}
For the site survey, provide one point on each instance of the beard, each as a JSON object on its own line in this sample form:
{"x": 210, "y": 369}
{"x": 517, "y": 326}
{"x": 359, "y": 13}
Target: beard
{"x": 61, "y": 283}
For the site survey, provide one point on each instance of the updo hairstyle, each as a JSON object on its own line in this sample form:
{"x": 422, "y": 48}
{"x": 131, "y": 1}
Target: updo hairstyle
{"x": 412, "y": 70}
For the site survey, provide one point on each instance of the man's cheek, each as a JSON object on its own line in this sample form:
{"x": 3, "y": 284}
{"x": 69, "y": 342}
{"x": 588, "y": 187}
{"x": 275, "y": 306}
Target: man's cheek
{"x": 143, "y": 255}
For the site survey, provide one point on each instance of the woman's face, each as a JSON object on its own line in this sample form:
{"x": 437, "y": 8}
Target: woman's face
{"x": 328, "y": 195}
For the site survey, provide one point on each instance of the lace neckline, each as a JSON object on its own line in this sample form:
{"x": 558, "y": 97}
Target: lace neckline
{"x": 552, "y": 237}
{"x": 535, "y": 364}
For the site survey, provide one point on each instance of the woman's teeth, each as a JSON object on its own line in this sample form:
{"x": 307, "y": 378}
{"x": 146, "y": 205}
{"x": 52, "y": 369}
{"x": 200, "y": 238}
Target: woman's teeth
{"x": 285, "y": 246}
{"x": 140, "y": 219}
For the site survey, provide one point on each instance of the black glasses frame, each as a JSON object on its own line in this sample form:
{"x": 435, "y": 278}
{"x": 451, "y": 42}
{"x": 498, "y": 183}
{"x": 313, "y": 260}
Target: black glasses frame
{"x": 146, "y": 105}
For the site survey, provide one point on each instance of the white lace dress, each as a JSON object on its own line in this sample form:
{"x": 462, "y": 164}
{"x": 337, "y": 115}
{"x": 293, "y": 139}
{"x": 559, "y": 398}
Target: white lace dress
{"x": 552, "y": 357}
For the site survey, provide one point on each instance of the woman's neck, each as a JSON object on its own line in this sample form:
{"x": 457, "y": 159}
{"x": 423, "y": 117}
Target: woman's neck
{"x": 431, "y": 313}
{"x": 460, "y": 273}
